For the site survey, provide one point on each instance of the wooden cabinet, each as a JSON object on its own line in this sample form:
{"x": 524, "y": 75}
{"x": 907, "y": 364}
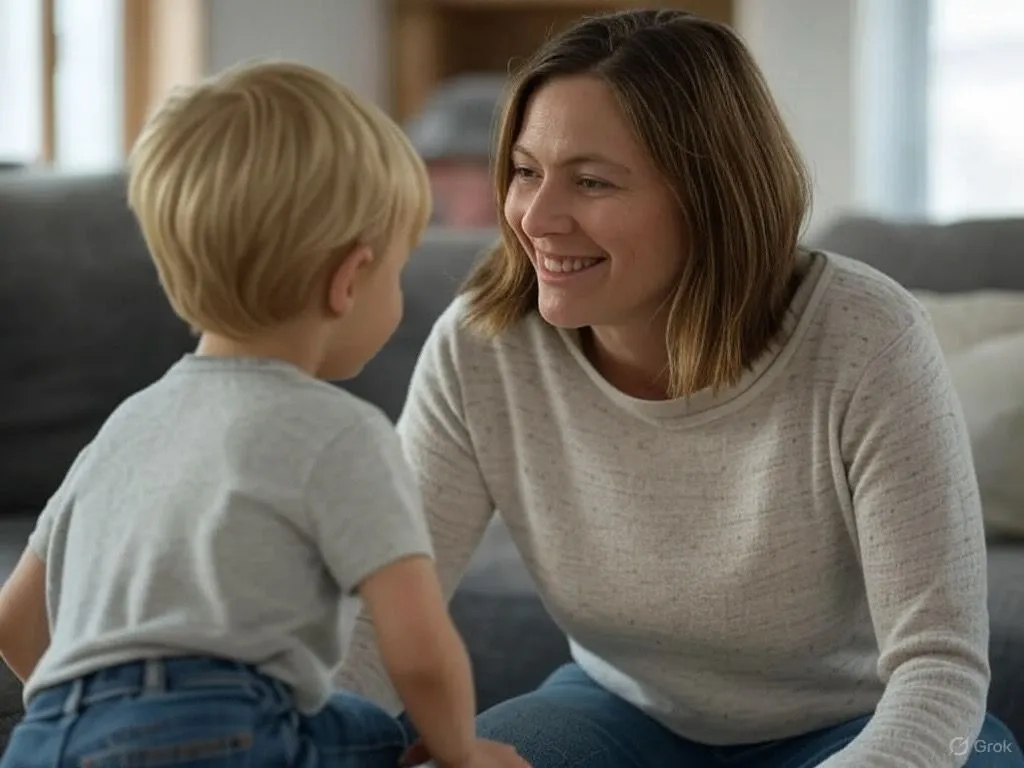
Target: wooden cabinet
{"x": 432, "y": 40}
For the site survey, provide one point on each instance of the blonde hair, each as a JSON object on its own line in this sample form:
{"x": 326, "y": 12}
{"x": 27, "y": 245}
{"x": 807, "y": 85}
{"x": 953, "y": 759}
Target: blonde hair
{"x": 251, "y": 186}
{"x": 699, "y": 105}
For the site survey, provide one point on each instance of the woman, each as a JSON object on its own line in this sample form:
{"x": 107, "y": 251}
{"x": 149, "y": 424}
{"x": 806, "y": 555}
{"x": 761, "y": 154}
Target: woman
{"x": 736, "y": 470}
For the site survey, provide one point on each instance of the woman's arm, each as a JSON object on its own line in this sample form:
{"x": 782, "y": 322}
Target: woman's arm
{"x": 458, "y": 506}
{"x": 24, "y": 628}
{"x": 922, "y": 549}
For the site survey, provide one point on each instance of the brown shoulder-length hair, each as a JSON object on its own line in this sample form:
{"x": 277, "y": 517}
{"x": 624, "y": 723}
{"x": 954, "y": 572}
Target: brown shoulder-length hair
{"x": 699, "y": 105}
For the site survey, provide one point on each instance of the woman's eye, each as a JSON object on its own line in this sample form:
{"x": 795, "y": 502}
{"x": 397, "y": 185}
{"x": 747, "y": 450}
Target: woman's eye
{"x": 523, "y": 172}
{"x": 593, "y": 184}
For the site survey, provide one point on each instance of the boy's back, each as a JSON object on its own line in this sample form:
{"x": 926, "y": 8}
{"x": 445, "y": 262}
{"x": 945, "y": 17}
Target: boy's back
{"x": 216, "y": 513}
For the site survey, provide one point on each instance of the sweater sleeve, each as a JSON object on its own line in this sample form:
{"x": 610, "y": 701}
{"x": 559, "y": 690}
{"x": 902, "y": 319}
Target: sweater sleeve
{"x": 458, "y": 506}
{"x": 921, "y": 539}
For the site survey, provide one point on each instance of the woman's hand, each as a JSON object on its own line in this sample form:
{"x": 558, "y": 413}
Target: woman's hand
{"x": 485, "y": 754}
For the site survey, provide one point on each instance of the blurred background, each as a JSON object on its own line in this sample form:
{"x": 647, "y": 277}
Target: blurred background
{"x": 906, "y": 109}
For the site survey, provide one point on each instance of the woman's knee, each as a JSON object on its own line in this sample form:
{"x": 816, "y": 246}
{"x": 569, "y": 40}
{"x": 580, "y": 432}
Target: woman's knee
{"x": 571, "y": 722}
{"x": 548, "y": 732}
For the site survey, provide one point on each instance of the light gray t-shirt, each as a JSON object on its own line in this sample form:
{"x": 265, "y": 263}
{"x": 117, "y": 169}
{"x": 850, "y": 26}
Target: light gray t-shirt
{"x": 230, "y": 509}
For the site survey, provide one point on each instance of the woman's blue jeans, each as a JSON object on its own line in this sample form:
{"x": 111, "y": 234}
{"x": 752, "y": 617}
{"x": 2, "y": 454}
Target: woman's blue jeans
{"x": 571, "y": 722}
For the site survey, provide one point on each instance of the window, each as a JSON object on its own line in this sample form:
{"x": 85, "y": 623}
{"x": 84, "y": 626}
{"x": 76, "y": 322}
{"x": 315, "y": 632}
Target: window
{"x": 976, "y": 108}
{"x": 940, "y": 103}
{"x": 21, "y": 82}
{"x": 77, "y": 77}
{"x": 88, "y": 84}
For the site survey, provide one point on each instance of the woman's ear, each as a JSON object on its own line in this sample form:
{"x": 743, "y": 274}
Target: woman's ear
{"x": 345, "y": 280}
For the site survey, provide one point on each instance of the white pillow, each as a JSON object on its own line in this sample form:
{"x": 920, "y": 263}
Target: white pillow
{"x": 989, "y": 378}
{"x": 964, "y": 319}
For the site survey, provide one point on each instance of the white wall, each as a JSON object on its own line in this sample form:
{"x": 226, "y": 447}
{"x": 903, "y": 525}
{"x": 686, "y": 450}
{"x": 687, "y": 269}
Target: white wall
{"x": 347, "y": 38}
{"x": 807, "y": 50}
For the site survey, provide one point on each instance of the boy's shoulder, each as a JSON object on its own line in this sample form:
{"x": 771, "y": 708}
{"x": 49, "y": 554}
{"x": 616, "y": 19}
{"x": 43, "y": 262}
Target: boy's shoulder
{"x": 246, "y": 410}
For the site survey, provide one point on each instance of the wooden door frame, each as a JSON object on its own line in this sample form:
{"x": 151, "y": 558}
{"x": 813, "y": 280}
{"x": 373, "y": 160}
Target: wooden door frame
{"x": 49, "y": 88}
{"x": 165, "y": 43}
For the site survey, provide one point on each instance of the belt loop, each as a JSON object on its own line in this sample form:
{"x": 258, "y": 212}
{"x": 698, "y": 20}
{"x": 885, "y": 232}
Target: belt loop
{"x": 74, "y": 699}
{"x": 282, "y": 691}
{"x": 154, "y": 676}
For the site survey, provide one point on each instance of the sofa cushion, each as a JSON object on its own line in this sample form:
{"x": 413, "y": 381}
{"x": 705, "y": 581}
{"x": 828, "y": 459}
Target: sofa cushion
{"x": 982, "y": 335}
{"x": 946, "y": 258}
{"x": 989, "y": 378}
{"x": 14, "y": 532}
{"x": 10, "y": 704}
{"x": 84, "y": 325}
{"x": 962, "y": 320}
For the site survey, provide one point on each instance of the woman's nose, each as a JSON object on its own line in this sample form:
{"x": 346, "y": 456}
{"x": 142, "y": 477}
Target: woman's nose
{"x": 546, "y": 212}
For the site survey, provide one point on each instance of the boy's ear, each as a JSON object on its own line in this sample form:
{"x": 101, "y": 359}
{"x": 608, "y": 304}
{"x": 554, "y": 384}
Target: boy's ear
{"x": 344, "y": 281}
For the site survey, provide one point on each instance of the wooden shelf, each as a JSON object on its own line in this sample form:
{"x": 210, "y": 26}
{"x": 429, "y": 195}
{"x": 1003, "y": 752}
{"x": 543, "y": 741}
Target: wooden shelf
{"x": 432, "y": 40}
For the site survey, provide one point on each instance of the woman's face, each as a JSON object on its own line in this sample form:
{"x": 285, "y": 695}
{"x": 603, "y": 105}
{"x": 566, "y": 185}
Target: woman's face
{"x": 591, "y": 210}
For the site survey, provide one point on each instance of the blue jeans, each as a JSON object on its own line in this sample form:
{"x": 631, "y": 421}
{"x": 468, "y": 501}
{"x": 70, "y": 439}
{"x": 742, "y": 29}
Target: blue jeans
{"x": 196, "y": 713}
{"x": 571, "y": 722}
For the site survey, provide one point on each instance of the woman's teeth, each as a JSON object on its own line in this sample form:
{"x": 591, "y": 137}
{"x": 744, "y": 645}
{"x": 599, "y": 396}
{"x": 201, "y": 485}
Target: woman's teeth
{"x": 567, "y": 265}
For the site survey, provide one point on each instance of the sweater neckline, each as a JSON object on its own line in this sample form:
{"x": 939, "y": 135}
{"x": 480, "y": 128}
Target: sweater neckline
{"x": 705, "y": 405}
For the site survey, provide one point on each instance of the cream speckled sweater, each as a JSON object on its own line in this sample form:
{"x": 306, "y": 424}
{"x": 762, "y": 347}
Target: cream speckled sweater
{"x": 800, "y": 550}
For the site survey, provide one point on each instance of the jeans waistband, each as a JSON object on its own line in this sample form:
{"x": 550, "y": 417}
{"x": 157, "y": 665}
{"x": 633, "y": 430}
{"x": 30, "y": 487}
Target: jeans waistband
{"x": 150, "y": 677}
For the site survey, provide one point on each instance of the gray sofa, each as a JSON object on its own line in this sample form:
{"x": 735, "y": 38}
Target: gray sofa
{"x": 84, "y": 325}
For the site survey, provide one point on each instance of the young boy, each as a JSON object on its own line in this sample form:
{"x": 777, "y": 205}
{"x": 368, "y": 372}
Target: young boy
{"x": 195, "y": 579}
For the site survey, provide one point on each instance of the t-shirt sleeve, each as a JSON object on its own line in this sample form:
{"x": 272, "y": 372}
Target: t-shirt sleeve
{"x": 39, "y": 539}
{"x": 364, "y": 503}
